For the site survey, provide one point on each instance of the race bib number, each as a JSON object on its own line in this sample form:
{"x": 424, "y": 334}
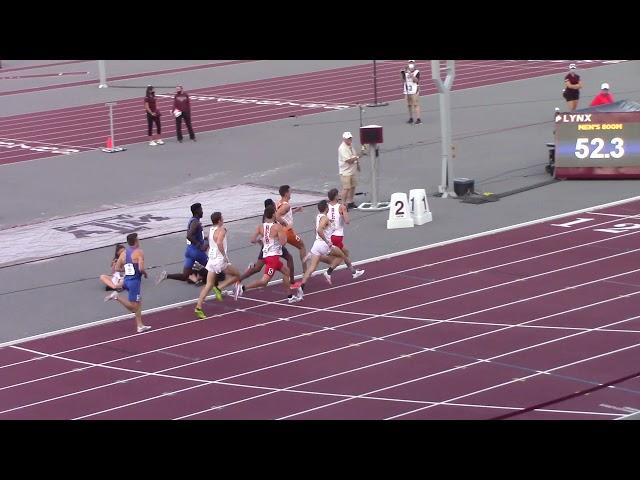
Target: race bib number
{"x": 270, "y": 272}
{"x": 129, "y": 269}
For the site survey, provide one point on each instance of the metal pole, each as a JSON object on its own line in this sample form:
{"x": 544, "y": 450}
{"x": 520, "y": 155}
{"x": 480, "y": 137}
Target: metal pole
{"x": 113, "y": 138}
{"x": 375, "y": 89}
{"x": 375, "y": 83}
{"x": 103, "y": 74}
{"x": 374, "y": 175}
{"x": 445, "y": 122}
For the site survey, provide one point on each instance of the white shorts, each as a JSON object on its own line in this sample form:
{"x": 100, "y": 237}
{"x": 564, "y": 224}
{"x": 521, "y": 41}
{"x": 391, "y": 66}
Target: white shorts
{"x": 320, "y": 248}
{"x": 116, "y": 278}
{"x": 216, "y": 266}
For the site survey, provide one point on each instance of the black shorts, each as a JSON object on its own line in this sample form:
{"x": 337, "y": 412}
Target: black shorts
{"x": 285, "y": 253}
{"x": 571, "y": 94}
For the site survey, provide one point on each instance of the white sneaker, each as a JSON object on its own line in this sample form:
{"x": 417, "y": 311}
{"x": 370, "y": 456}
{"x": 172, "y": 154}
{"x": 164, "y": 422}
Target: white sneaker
{"x": 159, "y": 141}
{"x": 300, "y": 293}
{"x": 294, "y": 299}
{"x": 153, "y": 143}
{"x": 144, "y": 328}
{"x": 357, "y": 273}
{"x": 111, "y": 296}
{"x": 162, "y": 277}
{"x": 327, "y": 277}
{"x": 227, "y": 293}
{"x": 238, "y": 291}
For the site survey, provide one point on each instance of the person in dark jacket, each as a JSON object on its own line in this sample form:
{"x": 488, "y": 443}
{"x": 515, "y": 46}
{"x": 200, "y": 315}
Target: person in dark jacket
{"x": 182, "y": 110}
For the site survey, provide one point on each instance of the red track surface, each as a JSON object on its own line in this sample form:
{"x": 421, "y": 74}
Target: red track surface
{"x": 520, "y": 324}
{"x": 85, "y": 128}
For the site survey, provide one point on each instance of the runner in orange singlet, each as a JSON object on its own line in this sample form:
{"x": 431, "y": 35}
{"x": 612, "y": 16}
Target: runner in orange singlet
{"x": 284, "y": 216}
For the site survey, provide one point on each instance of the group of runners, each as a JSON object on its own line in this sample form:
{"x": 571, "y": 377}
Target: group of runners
{"x": 206, "y": 259}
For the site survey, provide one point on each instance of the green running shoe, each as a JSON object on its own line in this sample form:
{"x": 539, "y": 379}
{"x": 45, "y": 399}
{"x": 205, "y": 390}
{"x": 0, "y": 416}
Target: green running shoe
{"x": 200, "y": 313}
{"x": 217, "y": 293}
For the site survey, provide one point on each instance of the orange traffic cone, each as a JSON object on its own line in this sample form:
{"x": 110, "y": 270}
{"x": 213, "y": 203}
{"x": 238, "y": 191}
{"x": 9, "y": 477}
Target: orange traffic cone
{"x": 109, "y": 142}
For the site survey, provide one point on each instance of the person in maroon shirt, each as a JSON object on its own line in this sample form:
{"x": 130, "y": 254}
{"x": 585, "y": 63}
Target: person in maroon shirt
{"x": 182, "y": 110}
{"x": 603, "y": 97}
{"x": 572, "y": 86}
{"x": 153, "y": 116}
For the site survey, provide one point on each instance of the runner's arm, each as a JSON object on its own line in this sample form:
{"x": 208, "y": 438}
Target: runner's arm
{"x": 280, "y": 212}
{"x": 282, "y": 235}
{"x": 141, "y": 262}
{"x": 220, "y": 234}
{"x": 320, "y": 230}
{"x": 257, "y": 234}
{"x": 345, "y": 214}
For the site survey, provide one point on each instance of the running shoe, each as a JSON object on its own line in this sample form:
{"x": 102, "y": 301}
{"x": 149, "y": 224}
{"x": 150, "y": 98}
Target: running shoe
{"x": 162, "y": 277}
{"x": 216, "y": 291}
{"x": 300, "y": 293}
{"x": 159, "y": 141}
{"x": 200, "y": 313}
{"x": 152, "y": 143}
{"x": 238, "y": 291}
{"x": 143, "y": 328}
{"x": 111, "y": 296}
{"x": 327, "y": 277}
{"x": 357, "y": 273}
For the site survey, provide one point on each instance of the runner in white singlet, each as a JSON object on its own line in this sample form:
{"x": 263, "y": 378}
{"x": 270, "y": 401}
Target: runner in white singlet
{"x": 273, "y": 236}
{"x": 324, "y": 251}
{"x": 218, "y": 262}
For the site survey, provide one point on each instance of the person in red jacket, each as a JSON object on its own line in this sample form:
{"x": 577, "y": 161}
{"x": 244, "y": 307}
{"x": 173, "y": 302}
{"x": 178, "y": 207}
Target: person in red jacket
{"x": 182, "y": 110}
{"x": 603, "y": 97}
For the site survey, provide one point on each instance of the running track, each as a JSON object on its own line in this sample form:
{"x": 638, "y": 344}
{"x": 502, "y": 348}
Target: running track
{"x": 86, "y": 128}
{"x": 535, "y": 322}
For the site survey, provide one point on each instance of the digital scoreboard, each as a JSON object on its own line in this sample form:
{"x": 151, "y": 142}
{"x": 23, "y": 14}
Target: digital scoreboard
{"x": 597, "y": 145}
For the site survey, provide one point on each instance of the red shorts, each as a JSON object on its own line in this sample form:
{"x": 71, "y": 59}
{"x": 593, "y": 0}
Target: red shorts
{"x": 337, "y": 241}
{"x": 271, "y": 264}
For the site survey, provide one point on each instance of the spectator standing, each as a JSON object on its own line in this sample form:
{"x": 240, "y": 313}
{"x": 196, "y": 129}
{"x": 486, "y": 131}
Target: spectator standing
{"x": 604, "y": 97}
{"x": 572, "y": 86}
{"x": 182, "y": 110}
{"x": 347, "y": 167}
{"x": 153, "y": 116}
{"x": 411, "y": 90}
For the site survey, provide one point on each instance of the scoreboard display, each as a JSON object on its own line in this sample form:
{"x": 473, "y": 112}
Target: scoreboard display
{"x": 597, "y": 145}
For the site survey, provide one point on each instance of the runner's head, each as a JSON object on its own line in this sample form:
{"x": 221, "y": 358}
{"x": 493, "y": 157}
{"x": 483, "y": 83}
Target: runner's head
{"x": 269, "y": 212}
{"x": 323, "y": 206}
{"x": 196, "y": 210}
{"x": 216, "y": 218}
{"x": 285, "y": 192}
{"x": 268, "y": 202}
{"x": 332, "y": 194}
{"x": 150, "y": 91}
{"x": 132, "y": 239}
{"x": 119, "y": 248}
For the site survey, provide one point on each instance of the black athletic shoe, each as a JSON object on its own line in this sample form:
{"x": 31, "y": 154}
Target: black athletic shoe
{"x": 410, "y": 120}
{"x": 418, "y": 121}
